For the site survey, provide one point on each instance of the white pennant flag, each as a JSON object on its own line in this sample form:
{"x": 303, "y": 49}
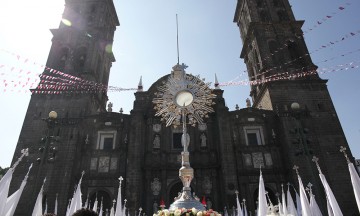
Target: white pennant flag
{"x": 239, "y": 210}
{"x": 6, "y": 179}
{"x": 112, "y": 211}
{"x": 283, "y": 199}
{"x": 304, "y": 202}
{"x": 76, "y": 201}
{"x": 290, "y": 203}
{"x": 101, "y": 208}
{"x": 38, "y": 205}
{"x": 118, "y": 211}
{"x": 315, "y": 210}
{"x": 355, "y": 181}
{"x": 262, "y": 206}
{"x": 332, "y": 200}
{"x": 330, "y": 211}
{"x": 95, "y": 204}
{"x": 124, "y": 208}
{"x": 281, "y": 210}
{"x": 13, "y": 200}
{"x": 298, "y": 203}
{"x": 56, "y": 204}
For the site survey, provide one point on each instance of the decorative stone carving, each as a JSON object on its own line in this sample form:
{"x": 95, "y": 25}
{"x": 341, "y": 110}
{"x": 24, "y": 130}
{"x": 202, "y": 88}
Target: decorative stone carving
{"x": 110, "y": 105}
{"x": 202, "y": 127}
{"x": 156, "y": 128}
{"x": 207, "y": 185}
{"x": 268, "y": 159}
{"x": 203, "y": 140}
{"x": 155, "y": 186}
{"x": 156, "y": 142}
{"x": 93, "y": 163}
{"x": 104, "y": 164}
{"x": 247, "y": 159}
{"x": 113, "y": 163}
{"x": 258, "y": 160}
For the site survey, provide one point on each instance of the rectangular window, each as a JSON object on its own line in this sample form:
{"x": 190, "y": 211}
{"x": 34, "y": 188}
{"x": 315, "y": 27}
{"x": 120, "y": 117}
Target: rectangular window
{"x": 108, "y": 143}
{"x": 106, "y": 140}
{"x": 254, "y": 136}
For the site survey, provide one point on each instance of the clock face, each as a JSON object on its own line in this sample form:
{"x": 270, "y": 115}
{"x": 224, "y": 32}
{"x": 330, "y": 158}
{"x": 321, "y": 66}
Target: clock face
{"x": 184, "y": 98}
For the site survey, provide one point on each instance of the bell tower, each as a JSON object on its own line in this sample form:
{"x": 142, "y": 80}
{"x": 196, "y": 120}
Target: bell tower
{"x": 74, "y": 85}
{"x": 273, "y": 45}
{"x": 284, "y": 79}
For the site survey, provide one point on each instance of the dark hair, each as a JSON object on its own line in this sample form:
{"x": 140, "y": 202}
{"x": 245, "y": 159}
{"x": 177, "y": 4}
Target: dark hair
{"x": 85, "y": 212}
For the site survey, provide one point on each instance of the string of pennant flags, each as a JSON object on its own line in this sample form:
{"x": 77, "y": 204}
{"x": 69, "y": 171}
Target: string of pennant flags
{"x": 326, "y": 18}
{"x": 293, "y": 75}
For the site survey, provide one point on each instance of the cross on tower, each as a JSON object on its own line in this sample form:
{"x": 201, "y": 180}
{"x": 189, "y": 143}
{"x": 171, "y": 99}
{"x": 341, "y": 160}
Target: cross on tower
{"x": 343, "y": 150}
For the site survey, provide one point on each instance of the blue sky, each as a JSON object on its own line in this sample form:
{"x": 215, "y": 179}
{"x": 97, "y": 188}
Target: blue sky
{"x": 145, "y": 45}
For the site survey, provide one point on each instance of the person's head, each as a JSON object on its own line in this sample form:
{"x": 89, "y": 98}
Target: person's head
{"x": 85, "y": 212}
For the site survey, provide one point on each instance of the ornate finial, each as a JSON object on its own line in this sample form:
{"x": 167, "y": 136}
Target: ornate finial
{"x": 121, "y": 110}
{"x": 288, "y": 184}
{"x": 244, "y": 200}
{"x": 296, "y": 168}
{"x": 343, "y": 150}
{"x": 316, "y": 161}
{"x": 110, "y": 105}
{"x": 216, "y": 84}
{"x": 114, "y": 201}
{"x": 236, "y": 192}
{"x": 140, "y": 85}
{"x": 120, "y": 179}
{"x": 140, "y": 209}
{"x": 237, "y": 107}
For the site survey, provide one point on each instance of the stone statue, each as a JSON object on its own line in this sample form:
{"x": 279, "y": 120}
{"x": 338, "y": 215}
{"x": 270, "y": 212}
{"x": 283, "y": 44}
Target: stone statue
{"x": 110, "y": 105}
{"x": 203, "y": 140}
{"x": 156, "y": 142}
{"x": 155, "y": 207}
{"x": 248, "y": 103}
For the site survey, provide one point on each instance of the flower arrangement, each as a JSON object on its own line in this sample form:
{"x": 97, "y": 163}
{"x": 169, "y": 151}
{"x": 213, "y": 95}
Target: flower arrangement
{"x": 186, "y": 212}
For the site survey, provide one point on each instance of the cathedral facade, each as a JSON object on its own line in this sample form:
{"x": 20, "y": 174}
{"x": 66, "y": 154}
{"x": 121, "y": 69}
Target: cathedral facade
{"x": 290, "y": 121}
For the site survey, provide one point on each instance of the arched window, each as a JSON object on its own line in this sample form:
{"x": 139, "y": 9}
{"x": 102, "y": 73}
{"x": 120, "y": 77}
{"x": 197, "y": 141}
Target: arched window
{"x": 273, "y": 52}
{"x": 295, "y": 53}
{"x": 63, "y": 56}
{"x": 101, "y": 196}
{"x": 80, "y": 59}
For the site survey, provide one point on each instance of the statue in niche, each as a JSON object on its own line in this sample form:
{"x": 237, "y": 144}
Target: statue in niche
{"x": 155, "y": 186}
{"x": 155, "y": 207}
{"x": 156, "y": 142}
{"x": 110, "y": 105}
{"x": 203, "y": 140}
{"x": 208, "y": 203}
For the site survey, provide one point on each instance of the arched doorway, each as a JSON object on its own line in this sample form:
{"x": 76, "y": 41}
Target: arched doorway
{"x": 101, "y": 196}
